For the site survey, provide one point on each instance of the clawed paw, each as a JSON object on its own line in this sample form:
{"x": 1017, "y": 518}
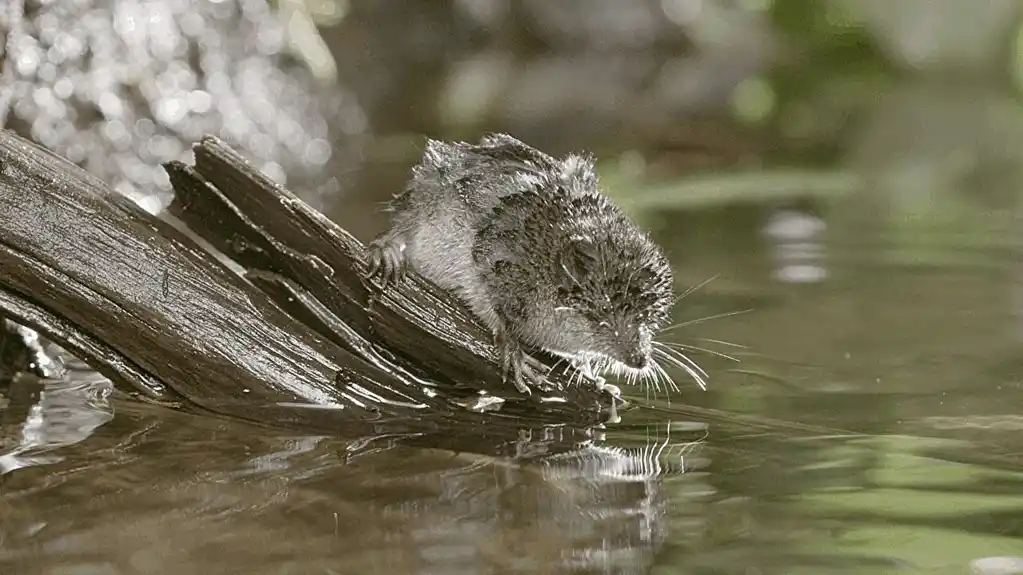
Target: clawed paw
{"x": 537, "y": 366}
{"x": 385, "y": 261}
{"x": 608, "y": 388}
{"x": 519, "y": 368}
{"x": 586, "y": 367}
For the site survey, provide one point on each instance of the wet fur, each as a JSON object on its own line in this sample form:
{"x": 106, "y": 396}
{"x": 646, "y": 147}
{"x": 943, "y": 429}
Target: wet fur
{"x": 533, "y": 248}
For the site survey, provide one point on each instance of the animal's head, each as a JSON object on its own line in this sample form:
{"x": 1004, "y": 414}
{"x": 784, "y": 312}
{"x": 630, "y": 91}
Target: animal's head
{"x": 614, "y": 287}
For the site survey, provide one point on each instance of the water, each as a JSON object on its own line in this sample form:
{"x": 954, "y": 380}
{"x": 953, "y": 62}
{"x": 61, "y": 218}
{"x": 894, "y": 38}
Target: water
{"x": 869, "y": 425}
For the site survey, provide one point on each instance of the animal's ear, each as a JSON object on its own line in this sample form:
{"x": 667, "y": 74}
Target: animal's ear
{"x": 578, "y": 259}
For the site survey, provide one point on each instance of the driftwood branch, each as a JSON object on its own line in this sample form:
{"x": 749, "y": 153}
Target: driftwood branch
{"x": 142, "y": 303}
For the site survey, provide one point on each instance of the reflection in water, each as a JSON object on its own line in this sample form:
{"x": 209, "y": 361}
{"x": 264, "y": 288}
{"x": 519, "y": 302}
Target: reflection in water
{"x": 620, "y": 499}
{"x": 187, "y": 493}
{"x": 798, "y": 246}
{"x": 41, "y": 417}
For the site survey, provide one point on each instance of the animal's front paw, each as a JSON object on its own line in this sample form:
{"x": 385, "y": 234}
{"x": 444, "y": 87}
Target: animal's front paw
{"x": 519, "y": 368}
{"x": 385, "y": 259}
{"x": 603, "y": 386}
{"x": 586, "y": 367}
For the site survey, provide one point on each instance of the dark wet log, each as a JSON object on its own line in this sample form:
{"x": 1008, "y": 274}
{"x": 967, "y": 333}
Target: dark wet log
{"x": 142, "y": 303}
{"x": 134, "y": 284}
{"x": 104, "y": 359}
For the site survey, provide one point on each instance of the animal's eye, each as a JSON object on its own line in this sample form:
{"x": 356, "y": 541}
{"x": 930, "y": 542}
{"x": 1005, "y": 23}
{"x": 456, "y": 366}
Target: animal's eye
{"x": 577, "y": 261}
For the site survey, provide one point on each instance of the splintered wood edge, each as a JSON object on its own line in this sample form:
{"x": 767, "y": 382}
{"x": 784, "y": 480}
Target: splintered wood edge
{"x": 295, "y": 364}
{"x": 104, "y": 359}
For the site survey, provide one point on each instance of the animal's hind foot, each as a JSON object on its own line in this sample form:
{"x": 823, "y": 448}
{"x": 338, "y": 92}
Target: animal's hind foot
{"x": 385, "y": 260}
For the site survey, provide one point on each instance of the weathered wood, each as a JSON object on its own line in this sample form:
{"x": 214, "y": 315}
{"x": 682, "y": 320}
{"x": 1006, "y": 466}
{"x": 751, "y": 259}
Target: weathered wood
{"x": 90, "y": 256}
{"x": 104, "y": 359}
{"x": 143, "y": 304}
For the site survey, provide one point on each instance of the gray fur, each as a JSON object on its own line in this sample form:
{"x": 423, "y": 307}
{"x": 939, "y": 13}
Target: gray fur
{"x": 533, "y": 248}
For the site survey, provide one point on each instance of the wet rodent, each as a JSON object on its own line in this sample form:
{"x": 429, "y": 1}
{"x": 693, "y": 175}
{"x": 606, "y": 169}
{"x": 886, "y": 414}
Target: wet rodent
{"x": 532, "y": 247}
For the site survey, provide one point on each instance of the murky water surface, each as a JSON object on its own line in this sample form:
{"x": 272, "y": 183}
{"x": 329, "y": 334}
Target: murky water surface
{"x": 870, "y": 425}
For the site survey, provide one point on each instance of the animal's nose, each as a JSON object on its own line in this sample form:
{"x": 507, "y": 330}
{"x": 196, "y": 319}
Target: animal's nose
{"x": 638, "y": 360}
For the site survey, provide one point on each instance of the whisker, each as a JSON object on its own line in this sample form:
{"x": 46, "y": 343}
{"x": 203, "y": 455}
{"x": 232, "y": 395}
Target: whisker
{"x": 697, "y": 348}
{"x": 578, "y": 374}
{"x": 574, "y": 374}
{"x": 696, "y": 287}
{"x": 648, "y": 383}
{"x": 653, "y": 385}
{"x": 551, "y": 369}
{"x": 643, "y": 377}
{"x": 669, "y": 383}
{"x": 703, "y": 319}
{"x": 722, "y": 342}
{"x": 659, "y": 377}
{"x": 681, "y": 356}
{"x": 663, "y": 378}
{"x": 674, "y": 361}
{"x": 595, "y": 367}
{"x": 614, "y": 368}
{"x": 674, "y": 386}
